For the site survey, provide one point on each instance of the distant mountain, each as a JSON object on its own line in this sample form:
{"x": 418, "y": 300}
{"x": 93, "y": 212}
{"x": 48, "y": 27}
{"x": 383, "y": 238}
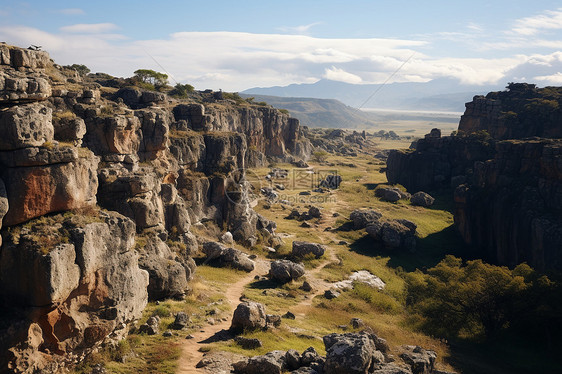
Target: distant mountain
{"x": 439, "y": 94}
{"x": 320, "y": 112}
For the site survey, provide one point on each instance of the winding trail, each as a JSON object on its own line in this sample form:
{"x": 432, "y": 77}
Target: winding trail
{"x": 190, "y": 355}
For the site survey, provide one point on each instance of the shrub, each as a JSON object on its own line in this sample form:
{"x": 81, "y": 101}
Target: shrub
{"x": 320, "y": 156}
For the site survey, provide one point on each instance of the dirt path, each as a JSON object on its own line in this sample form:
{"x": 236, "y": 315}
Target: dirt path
{"x": 190, "y": 355}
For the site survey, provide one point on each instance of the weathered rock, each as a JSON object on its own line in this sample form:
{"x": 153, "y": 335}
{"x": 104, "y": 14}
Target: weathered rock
{"x": 331, "y": 294}
{"x": 273, "y": 320}
{"x": 363, "y": 217}
{"x": 392, "y": 369}
{"x": 248, "y": 343}
{"x": 314, "y": 212}
{"x": 248, "y": 315}
{"x": 270, "y": 363}
{"x": 25, "y": 126}
{"x": 71, "y": 129}
{"x": 181, "y": 320}
{"x": 222, "y": 256}
{"x": 117, "y": 134}
{"x": 394, "y": 234}
{"x": 227, "y": 238}
{"x": 302, "y": 249}
{"x": 18, "y": 87}
{"x": 151, "y": 327}
{"x": 285, "y": 271}
{"x": 421, "y": 361}
{"x": 350, "y": 353}
{"x": 309, "y": 356}
{"x": 167, "y": 277}
{"x": 293, "y": 359}
{"x": 422, "y": 199}
{"x": 92, "y": 283}
{"x": 331, "y": 181}
{"x": 357, "y": 323}
{"x": 37, "y": 190}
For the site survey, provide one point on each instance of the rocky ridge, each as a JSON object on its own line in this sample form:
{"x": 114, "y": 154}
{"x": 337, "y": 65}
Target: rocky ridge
{"x": 505, "y": 165}
{"x": 154, "y": 164}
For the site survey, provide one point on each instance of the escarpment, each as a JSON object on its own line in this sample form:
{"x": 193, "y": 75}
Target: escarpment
{"x": 99, "y": 188}
{"x": 505, "y": 166}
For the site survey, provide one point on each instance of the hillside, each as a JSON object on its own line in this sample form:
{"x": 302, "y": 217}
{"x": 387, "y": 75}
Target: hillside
{"x": 312, "y": 112}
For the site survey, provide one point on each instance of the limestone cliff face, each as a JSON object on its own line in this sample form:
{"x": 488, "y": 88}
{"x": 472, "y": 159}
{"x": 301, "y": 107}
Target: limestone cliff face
{"x": 508, "y": 192}
{"x": 513, "y": 207}
{"x": 154, "y": 164}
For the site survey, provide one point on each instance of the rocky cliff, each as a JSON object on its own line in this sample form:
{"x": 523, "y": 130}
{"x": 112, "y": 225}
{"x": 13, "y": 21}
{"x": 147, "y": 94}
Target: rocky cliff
{"x": 505, "y": 165}
{"x": 99, "y": 187}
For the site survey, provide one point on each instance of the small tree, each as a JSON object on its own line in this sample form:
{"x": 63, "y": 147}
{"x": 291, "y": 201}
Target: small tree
{"x": 182, "y": 90}
{"x": 81, "y": 69}
{"x": 320, "y": 156}
{"x": 151, "y": 77}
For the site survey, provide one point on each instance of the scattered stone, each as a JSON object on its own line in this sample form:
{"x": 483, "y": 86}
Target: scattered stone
{"x": 293, "y": 359}
{"x": 302, "y": 249}
{"x": 190, "y": 337}
{"x": 331, "y": 181}
{"x": 151, "y": 327}
{"x": 314, "y": 212}
{"x": 304, "y": 193}
{"x": 248, "y": 315}
{"x": 227, "y": 238}
{"x": 248, "y": 343}
{"x": 270, "y": 363}
{"x": 273, "y": 320}
{"x": 221, "y": 256}
{"x": 306, "y": 286}
{"x": 301, "y": 164}
{"x": 295, "y": 214}
{"x": 422, "y": 199}
{"x": 289, "y": 315}
{"x": 305, "y": 225}
{"x": 421, "y": 361}
{"x": 331, "y": 294}
{"x": 336, "y": 214}
{"x": 285, "y": 271}
{"x": 357, "y": 323}
{"x": 361, "y": 276}
{"x": 343, "y": 242}
{"x": 180, "y": 322}
{"x": 309, "y": 356}
{"x": 351, "y": 353}
{"x": 167, "y": 334}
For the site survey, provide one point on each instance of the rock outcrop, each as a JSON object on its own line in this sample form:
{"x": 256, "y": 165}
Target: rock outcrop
{"x": 505, "y": 167}
{"x": 156, "y": 164}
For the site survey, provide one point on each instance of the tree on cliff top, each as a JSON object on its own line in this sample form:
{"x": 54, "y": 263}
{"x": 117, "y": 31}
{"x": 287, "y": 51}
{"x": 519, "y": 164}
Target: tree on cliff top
{"x": 151, "y": 78}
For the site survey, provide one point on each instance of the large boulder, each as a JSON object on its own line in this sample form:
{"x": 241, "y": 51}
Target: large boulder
{"x": 421, "y": 198}
{"x": 302, "y": 249}
{"x": 420, "y": 360}
{"x": 363, "y": 217}
{"x": 221, "y": 256}
{"x": 270, "y": 363}
{"x": 351, "y": 354}
{"x": 248, "y": 315}
{"x": 284, "y": 271}
{"x": 394, "y": 234}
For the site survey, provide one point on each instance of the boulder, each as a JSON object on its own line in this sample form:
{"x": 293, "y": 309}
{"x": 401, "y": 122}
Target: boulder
{"x": 181, "y": 320}
{"x": 25, "y": 126}
{"x": 151, "y": 327}
{"x": 221, "y": 256}
{"x": 273, "y": 320}
{"x": 270, "y": 363}
{"x": 293, "y": 359}
{"x": 284, "y": 271}
{"x": 314, "y": 212}
{"x": 309, "y": 356}
{"x": 227, "y": 238}
{"x": 248, "y": 315}
{"x": 331, "y": 181}
{"x": 248, "y": 343}
{"x": 399, "y": 233}
{"x": 420, "y": 360}
{"x": 363, "y": 217}
{"x": 302, "y": 249}
{"x": 350, "y": 353}
{"x": 422, "y": 199}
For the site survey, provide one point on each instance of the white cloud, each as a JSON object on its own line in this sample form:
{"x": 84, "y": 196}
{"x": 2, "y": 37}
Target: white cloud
{"x": 555, "y": 79}
{"x": 549, "y": 20}
{"x": 71, "y": 11}
{"x": 340, "y": 75}
{"x": 235, "y": 61}
{"x": 301, "y": 30}
{"x": 89, "y": 28}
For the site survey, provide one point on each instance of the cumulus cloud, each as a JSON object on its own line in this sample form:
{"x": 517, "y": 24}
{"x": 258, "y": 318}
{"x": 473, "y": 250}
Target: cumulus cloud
{"x": 340, "y": 75}
{"x": 235, "y": 61}
{"x": 549, "y": 20}
{"x": 89, "y": 28}
{"x": 555, "y": 79}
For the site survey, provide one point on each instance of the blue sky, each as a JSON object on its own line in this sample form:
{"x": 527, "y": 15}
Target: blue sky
{"x": 238, "y": 45}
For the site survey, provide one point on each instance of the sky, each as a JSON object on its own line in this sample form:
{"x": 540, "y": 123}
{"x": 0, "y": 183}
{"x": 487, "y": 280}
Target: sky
{"x": 235, "y": 45}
